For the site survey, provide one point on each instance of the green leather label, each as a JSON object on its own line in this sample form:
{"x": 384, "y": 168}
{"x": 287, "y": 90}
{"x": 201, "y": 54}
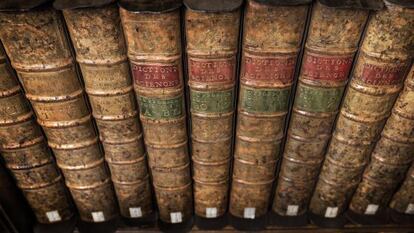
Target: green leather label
{"x": 156, "y": 108}
{"x": 212, "y": 101}
{"x": 264, "y": 100}
{"x": 317, "y": 99}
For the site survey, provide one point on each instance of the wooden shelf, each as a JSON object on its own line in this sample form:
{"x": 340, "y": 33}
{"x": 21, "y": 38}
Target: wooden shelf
{"x": 349, "y": 227}
{"x": 309, "y": 228}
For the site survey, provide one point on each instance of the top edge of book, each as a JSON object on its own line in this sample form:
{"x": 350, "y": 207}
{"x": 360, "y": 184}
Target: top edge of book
{"x": 159, "y": 6}
{"x": 213, "y": 5}
{"x": 150, "y": 6}
{"x": 403, "y": 3}
{"x": 23, "y": 5}
{"x": 75, "y": 4}
{"x": 283, "y": 2}
{"x": 354, "y": 4}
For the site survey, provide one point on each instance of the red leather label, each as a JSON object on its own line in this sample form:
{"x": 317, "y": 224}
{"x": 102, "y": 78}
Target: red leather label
{"x": 383, "y": 75}
{"x": 211, "y": 71}
{"x": 334, "y": 68}
{"x": 156, "y": 76}
{"x": 269, "y": 69}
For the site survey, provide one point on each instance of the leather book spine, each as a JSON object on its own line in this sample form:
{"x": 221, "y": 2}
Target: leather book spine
{"x": 212, "y": 44}
{"x": 97, "y": 37}
{"x": 331, "y": 44}
{"x": 271, "y": 43}
{"x": 391, "y": 157}
{"x": 39, "y": 51}
{"x": 154, "y": 50}
{"x": 383, "y": 61}
{"x": 403, "y": 200}
{"x": 25, "y": 152}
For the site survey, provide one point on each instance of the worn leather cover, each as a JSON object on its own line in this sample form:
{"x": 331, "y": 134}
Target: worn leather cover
{"x": 326, "y": 65}
{"x": 24, "y": 150}
{"x": 98, "y": 40}
{"x": 73, "y": 4}
{"x": 150, "y": 6}
{"x": 391, "y": 157}
{"x": 272, "y": 37}
{"x": 377, "y": 78}
{"x": 213, "y": 5}
{"x": 39, "y": 51}
{"x": 212, "y": 64}
{"x": 402, "y": 200}
{"x": 154, "y": 52}
{"x": 361, "y": 4}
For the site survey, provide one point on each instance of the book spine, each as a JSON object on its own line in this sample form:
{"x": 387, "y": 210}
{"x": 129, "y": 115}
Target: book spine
{"x": 376, "y": 81}
{"x": 25, "y": 153}
{"x": 154, "y": 51}
{"x": 212, "y": 57}
{"x": 403, "y": 200}
{"x": 331, "y": 44}
{"x": 391, "y": 157}
{"x": 101, "y": 53}
{"x": 38, "y": 49}
{"x": 271, "y": 43}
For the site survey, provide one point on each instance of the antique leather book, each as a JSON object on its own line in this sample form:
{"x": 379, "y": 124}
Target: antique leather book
{"x": 26, "y": 154}
{"x": 272, "y": 36}
{"x": 403, "y": 200}
{"x": 377, "y": 78}
{"x": 212, "y": 63}
{"x": 331, "y": 44}
{"x": 38, "y": 49}
{"x": 391, "y": 157}
{"x": 153, "y": 35}
{"x": 97, "y": 37}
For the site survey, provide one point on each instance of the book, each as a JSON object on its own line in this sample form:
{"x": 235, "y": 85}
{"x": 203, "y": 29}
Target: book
{"x": 96, "y": 34}
{"x": 37, "y": 46}
{"x": 25, "y": 153}
{"x": 402, "y": 201}
{"x": 153, "y": 36}
{"x": 272, "y": 35}
{"x": 331, "y": 44}
{"x": 212, "y": 62}
{"x": 377, "y": 79}
{"x": 391, "y": 157}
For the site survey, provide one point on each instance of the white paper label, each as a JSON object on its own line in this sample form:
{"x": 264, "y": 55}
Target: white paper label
{"x": 371, "y": 209}
{"x": 98, "y": 216}
{"x": 410, "y": 209}
{"x": 331, "y": 212}
{"x": 53, "y": 216}
{"x": 292, "y": 210}
{"x": 135, "y": 212}
{"x": 249, "y": 213}
{"x": 211, "y": 212}
{"x": 176, "y": 217}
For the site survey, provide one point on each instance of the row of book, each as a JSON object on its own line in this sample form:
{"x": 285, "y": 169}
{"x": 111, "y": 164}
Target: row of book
{"x": 305, "y": 109}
